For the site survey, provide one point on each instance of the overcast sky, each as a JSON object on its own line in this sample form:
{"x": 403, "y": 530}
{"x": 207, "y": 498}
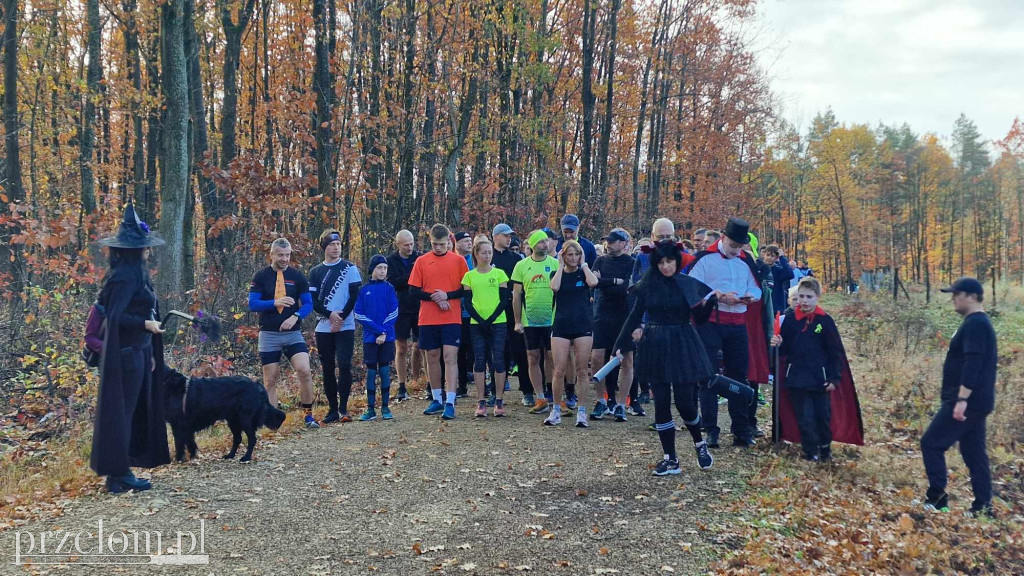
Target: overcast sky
{"x": 917, "y": 61}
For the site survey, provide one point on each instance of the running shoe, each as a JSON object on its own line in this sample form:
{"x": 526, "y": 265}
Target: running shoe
{"x": 761, "y": 400}
{"x": 540, "y": 407}
{"x": 581, "y": 419}
{"x": 713, "y": 439}
{"x": 331, "y": 417}
{"x": 311, "y": 422}
{"x": 571, "y": 400}
{"x": 507, "y": 387}
{"x": 499, "y": 409}
{"x": 619, "y": 412}
{"x": 461, "y": 392}
{"x": 825, "y": 453}
{"x": 652, "y": 427}
{"x": 345, "y": 418}
{"x": 528, "y": 400}
{"x": 403, "y": 394}
{"x": 434, "y": 408}
{"x": 449, "y": 411}
{"x": 758, "y": 433}
{"x": 553, "y": 419}
{"x": 807, "y": 457}
{"x": 722, "y": 401}
{"x": 491, "y": 399}
{"x": 666, "y": 467}
{"x": 600, "y": 409}
{"x": 940, "y": 504}
{"x": 370, "y": 414}
{"x": 385, "y": 413}
{"x": 644, "y": 398}
{"x": 704, "y": 458}
{"x": 635, "y": 410}
{"x": 481, "y": 409}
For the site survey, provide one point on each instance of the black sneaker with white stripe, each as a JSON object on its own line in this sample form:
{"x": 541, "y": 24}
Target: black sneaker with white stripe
{"x": 704, "y": 457}
{"x": 666, "y": 467}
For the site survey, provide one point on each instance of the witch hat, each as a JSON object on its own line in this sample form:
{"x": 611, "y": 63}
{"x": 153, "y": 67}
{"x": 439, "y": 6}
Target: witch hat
{"x": 133, "y": 233}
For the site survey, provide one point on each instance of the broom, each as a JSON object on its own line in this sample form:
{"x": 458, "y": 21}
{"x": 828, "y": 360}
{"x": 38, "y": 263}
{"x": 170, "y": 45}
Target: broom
{"x": 208, "y": 326}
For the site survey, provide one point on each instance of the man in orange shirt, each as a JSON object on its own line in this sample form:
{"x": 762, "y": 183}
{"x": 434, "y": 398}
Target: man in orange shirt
{"x": 436, "y": 280}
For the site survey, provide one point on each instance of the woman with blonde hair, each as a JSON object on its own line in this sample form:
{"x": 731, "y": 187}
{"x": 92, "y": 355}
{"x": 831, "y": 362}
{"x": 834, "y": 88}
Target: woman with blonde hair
{"x": 572, "y": 327}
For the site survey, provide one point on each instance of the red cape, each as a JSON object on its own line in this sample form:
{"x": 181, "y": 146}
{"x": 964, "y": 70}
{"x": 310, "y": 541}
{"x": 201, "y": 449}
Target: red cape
{"x": 757, "y": 345}
{"x": 847, "y": 426}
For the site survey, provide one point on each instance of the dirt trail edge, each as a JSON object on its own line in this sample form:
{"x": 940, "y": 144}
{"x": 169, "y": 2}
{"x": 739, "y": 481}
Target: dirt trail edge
{"x": 420, "y": 496}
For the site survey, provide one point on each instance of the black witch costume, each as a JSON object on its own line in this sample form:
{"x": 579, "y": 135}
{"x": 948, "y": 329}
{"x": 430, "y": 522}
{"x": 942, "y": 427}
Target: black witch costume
{"x": 129, "y": 428}
{"x": 670, "y": 355}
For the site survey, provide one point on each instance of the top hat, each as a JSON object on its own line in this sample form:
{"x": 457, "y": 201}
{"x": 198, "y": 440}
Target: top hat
{"x": 133, "y": 233}
{"x": 736, "y": 229}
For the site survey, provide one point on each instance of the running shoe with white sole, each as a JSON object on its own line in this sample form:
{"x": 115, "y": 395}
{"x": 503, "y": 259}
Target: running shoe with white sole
{"x": 635, "y": 410}
{"x": 600, "y": 409}
{"x": 311, "y": 422}
{"x": 540, "y": 407}
{"x": 619, "y": 412}
{"x": 666, "y": 467}
{"x": 581, "y": 419}
{"x": 704, "y": 457}
{"x": 553, "y": 419}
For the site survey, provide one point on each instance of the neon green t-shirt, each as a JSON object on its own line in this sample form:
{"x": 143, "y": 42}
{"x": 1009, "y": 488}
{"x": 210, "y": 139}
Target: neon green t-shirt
{"x": 538, "y": 305}
{"x": 486, "y": 292}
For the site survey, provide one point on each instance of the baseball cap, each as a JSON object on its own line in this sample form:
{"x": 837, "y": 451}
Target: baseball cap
{"x": 570, "y": 221}
{"x": 502, "y": 229}
{"x": 617, "y": 235}
{"x": 967, "y": 285}
{"x": 461, "y": 235}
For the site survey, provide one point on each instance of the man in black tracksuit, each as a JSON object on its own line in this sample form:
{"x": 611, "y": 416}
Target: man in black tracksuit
{"x": 968, "y": 397}
{"x": 515, "y": 346}
{"x": 614, "y": 271}
{"x": 406, "y": 328}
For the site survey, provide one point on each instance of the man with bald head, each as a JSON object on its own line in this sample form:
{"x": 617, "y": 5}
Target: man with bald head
{"x": 406, "y": 327}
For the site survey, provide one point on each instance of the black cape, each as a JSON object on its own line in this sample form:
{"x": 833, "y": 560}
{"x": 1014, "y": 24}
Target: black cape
{"x": 125, "y": 435}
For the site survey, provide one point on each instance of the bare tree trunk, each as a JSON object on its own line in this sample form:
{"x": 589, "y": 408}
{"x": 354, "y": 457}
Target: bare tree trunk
{"x": 200, "y": 132}
{"x": 232, "y": 55}
{"x": 588, "y": 101}
{"x": 606, "y": 129}
{"x": 323, "y": 86}
{"x": 13, "y": 187}
{"x": 93, "y": 77}
{"x": 174, "y": 186}
{"x": 408, "y": 153}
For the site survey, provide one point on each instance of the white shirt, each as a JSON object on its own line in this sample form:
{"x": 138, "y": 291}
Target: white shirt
{"x": 727, "y": 275}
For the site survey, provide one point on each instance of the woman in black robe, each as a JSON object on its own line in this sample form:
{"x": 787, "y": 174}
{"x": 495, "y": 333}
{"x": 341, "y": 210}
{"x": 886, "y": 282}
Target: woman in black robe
{"x": 129, "y": 429}
{"x": 670, "y": 354}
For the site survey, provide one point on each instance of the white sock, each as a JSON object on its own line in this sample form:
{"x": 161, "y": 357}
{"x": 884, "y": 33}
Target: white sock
{"x": 451, "y": 397}
{"x": 556, "y": 407}
{"x": 436, "y": 394}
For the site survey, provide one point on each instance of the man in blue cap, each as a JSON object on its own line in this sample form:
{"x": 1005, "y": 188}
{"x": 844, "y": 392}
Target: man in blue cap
{"x": 570, "y": 226}
{"x": 968, "y": 397}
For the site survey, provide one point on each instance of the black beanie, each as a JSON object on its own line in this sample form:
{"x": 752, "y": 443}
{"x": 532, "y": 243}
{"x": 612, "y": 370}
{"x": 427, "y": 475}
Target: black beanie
{"x": 375, "y": 260}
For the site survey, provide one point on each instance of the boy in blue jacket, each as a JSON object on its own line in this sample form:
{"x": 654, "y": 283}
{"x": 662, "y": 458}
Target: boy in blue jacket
{"x": 377, "y": 310}
{"x": 813, "y": 349}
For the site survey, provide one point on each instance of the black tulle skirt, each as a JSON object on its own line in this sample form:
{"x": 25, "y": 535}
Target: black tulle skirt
{"x": 672, "y": 353}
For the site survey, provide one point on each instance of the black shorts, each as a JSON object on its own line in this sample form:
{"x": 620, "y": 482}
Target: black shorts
{"x": 537, "y": 337}
{"x": 570, "y": 336}
{"x": 434, "y": 337}
{"x": 606, "y": 331}
{"x": 376, "y": 355}
{"x": 407, "y": 325}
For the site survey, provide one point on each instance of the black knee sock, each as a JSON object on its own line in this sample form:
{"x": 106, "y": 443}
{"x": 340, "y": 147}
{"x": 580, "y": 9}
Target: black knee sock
{"x": 667, "y": 435}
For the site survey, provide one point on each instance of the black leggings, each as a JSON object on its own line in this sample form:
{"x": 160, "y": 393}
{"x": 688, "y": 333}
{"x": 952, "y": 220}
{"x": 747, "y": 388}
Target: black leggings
{"x": 335, "y": 350}
{"x": 685, "y": 404}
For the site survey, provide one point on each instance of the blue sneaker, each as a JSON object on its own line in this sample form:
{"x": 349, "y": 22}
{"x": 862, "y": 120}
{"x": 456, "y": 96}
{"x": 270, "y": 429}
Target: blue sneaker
{"x": 434, "y": 409}
{"x": 385, "y": 413}
{"x": 507, "y": 387}
{"x": 570, "y": 401}
{"x": 449, "y": 412}
{"x": 619, "y": 412}
{"x": 529, "y": 400}
{"x": 644, "y": 398}
{"x": 311, "y": 422}
{"x": 370, "y": 414}
{"x": 600, "y": 410}
{"x": 491, "y": 400}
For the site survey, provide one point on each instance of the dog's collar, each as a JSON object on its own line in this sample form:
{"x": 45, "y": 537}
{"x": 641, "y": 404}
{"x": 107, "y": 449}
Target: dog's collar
{"x": 184, "y": 397}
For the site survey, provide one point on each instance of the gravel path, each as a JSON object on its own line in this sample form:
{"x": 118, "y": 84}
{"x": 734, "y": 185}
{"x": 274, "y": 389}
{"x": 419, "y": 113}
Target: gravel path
{"x": 418, "y": 496}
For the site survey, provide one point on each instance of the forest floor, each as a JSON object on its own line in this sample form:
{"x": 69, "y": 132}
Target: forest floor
{"x": 492, "y": 496}
{"x": 417, "y": 495}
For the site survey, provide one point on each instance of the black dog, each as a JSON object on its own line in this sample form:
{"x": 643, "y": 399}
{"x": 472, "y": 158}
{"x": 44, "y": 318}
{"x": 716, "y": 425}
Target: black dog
{"x": 198, "y": 403}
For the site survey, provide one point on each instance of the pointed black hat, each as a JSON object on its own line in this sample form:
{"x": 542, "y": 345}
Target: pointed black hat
{"x": 133, "y": 233}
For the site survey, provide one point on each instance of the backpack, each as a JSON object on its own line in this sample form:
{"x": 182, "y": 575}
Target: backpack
{"x": 93, "y": 336}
